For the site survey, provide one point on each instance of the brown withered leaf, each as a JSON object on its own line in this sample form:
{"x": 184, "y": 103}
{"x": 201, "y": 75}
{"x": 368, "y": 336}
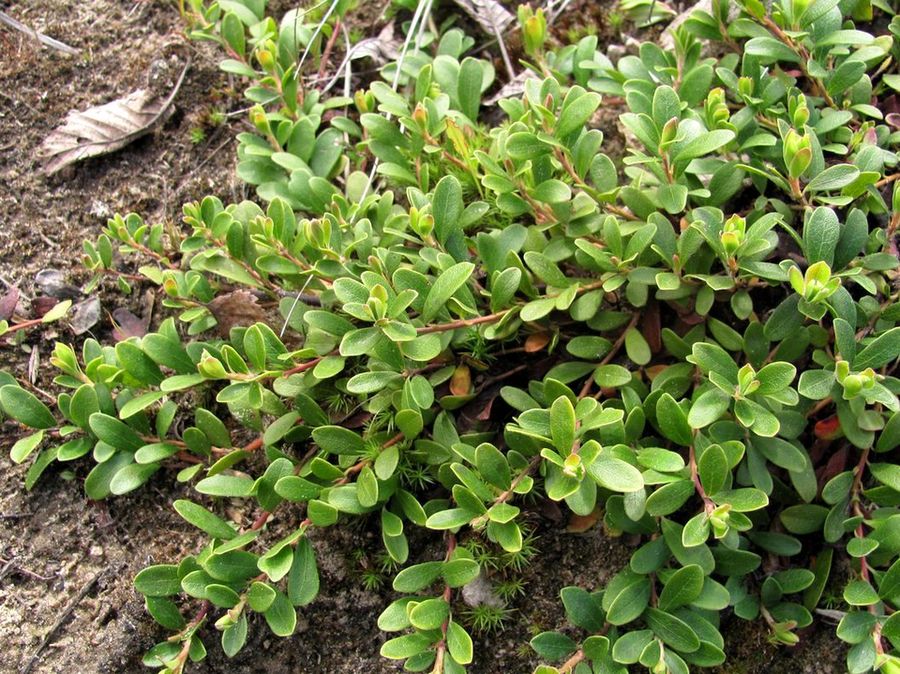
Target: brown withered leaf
{"x": 106, "y": 128}
{"x": 461, "y": 381}
{"x": 578, "y": 524}
{"x": 536, "y": 341}
{"x": 42, "y": 304}
{"x": 237, "y": 308}
{"x": 8, "y": 303}
{"x": 126, "y": 324}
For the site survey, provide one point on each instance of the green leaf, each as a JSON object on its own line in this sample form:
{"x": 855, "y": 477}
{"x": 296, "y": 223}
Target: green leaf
{"x": 820, "y": 236}
{"x": 493, "y": 466}
{"x": 281, "y": 616}
{"x": 429, "y": 614}
{"x": 444, "y": 288}
{"x": 115, "y": 433}
{"x": 880, "y": 351}
{"x": 417, "y": 577}
{"x": 552, "y": 191}
{"x": 833, "y": 178}
{"x": 636, "y": 347}
{"x": 226, "y": 485}
{"x": 553, "y": 646}
{"x": 459, "y": 572}
{"x": 400, "y": 648}
{"x": 583, "y": 609}
{"x": 24, "y": 407}
{"x": 131, "y": 477}
{"x": 303, "y": 578}
{"x": 770, "y": 50}
{"x": 468, "y": 90}
{"x": 447, "y": 208}
{"x": 673, "y": 631}
{"x": 708, "y": 408}
{"x": 576, "y": 111}
{"x": 704, "y": 144}
{"x": 450, "y": 518}
{"x": 204, "y": 520}
{"x": 612, "y": 376}
{"x": 615, "y": 474}
{"x": 626, "y": 597}
{"x": 713, "y": 468}
{"x": 160, "y": 580}
{"x": 337, "y": 440}
{"x": 524, "y": 145}
{"x": 742, "y": 500}
{"x": 234, "y": 637}
{"x": 25, "y": 446}
{"x": 562, "y": 424}
{"x": 682, "y": 588}
{"x": 672, "y": 421}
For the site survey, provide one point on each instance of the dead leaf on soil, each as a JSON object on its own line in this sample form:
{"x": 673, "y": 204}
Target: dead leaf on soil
{"x": 85, "y": 315}
{"x": 106, "y": 128}
{"x": 489, "y": 14}
{"x": 53, "y": 282}
{"x": 42, "y": 304}
{"x": 382, "y": 48}
{"x": 237, "y": 308}
{"x": 8, "y": 303}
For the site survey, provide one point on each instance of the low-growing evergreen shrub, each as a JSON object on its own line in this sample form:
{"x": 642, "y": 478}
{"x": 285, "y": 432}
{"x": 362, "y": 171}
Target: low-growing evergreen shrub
{"x": 694, "y": 342}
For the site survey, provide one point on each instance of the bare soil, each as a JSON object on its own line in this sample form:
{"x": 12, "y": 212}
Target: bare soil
{"x": 66, "y": 564}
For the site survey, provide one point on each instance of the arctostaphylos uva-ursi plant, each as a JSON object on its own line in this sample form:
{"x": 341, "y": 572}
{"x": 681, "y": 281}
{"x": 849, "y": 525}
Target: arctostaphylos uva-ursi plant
{"x": 434, "y": 316}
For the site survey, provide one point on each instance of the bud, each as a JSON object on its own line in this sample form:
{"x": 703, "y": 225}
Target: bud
{"x": 669, "y": 132}
{"x": 224, "y": 622}
{"x": 853, "y": 384}
{"x": 795, "y": 276}
{"x": 259, "y": 120}
{"x": 746, "y": 376}
{"x": 423, "y": 225}
{"x": 170, "y": 286}
{"x": 798, "y": 8}
{"x": 534, "y": 29}
{"x": 731, "y": 242}
{"x": 265, "y": 58}
{"x": 799, "y": 111}
{"x": 745, "y": 86}
{"x": 364, "y": 100}
{"x": 818, "y": 279}
{"x": 573, "y": 466}
{"x": 797, "y": 153}
{"x": 868, "y": 376}
{"x": 420, "y": 115}
{"x": 211, "y": 367}
{"x": 841, "y": 370}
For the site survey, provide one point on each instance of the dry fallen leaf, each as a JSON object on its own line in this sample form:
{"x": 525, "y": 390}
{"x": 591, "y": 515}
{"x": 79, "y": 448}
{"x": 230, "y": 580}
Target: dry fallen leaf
{"x": 461, "y": 381}
{"x": 126, "y": 324}
{"x": 106, "y": 128}
{"x": 489, "y": 14}
{"x": 237, "y": 308}
{"x": 85, "y": 315}
{"x": 8, "y": 303}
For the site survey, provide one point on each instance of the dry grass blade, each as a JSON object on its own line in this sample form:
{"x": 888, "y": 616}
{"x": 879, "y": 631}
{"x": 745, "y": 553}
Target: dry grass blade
{"x": 40, "y": 37}
{"x": 106, "y": 128}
